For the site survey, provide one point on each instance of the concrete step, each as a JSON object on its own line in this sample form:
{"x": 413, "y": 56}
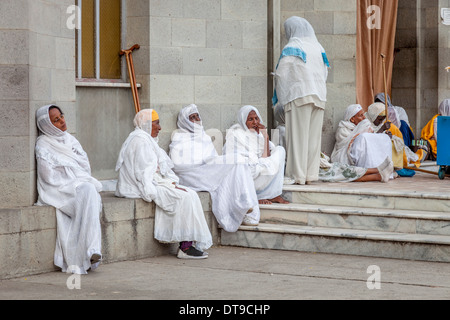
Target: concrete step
{"x": 375, "y": 219}
{"x": 341, "y": 241}
{"x": 361, "y": 197}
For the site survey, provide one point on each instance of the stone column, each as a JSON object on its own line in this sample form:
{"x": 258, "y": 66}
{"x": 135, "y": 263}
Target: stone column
{"x": 36, "y": 68}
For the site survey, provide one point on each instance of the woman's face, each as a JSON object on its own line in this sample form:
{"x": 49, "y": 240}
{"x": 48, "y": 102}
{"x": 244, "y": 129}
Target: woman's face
{"x": 155, "y": 128}
{"x": 57, "y": 119}
{"x": 253, "y": 121}
{"x": 195, "y": 117}
{"x": 379, "y": 120}
{"x": 357, "y": 118}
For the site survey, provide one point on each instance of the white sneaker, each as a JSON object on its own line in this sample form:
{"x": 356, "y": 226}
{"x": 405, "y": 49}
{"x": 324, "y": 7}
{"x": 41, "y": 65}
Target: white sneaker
{"x": 249, "y": 222}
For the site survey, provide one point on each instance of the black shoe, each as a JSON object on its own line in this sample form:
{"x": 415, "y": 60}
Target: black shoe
{"x": 191, "y": 253}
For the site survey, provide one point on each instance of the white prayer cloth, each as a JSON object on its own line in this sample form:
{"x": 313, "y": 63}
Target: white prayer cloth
{"x": 295, "y": 78}
{"x": 145, "y": 171}
{"x": 64, "y": 181}
{"x": 199, "y": 167}
{"x": 357, "y": 145}
{"x": 247, "y": 146}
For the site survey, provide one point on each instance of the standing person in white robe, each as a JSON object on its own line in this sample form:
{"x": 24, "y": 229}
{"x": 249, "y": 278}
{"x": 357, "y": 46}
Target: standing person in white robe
{"x": 198, "y": 165}
{"x": 64, "y": 181}
{"x": 300, "y": 86}
{"x": 145, "y": 171}
{"x": 357, "y": 144}
{"x": 248, "y": 141}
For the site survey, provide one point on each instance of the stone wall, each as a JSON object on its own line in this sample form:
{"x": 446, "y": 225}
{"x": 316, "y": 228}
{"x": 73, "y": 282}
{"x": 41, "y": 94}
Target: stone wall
{"x": 36, "y": 68}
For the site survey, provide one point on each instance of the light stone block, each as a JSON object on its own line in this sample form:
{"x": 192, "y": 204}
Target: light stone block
{"x": 164, "y": 87}
{"x": 244, "y": 62}
{"x": 160, "y": 32}
{"x": 14, "y": 48}
{"x": 344, "y": 23}
{"x": 254, "y": 34}
{"x": 245, "y": 10}
{"x": 217, "y": 89}
{"x": 335, "y": 5}
{"x": 165, "y": 60}
{"x": 63, "y": 85}
{"x": 13, "y": 13}
{"x": 15, "y": 155}
{"x": 188, "y": 33}
{"x": 224, "y": 34}
{"x": 201, "y": 9}
{"x": 14, "y": 82}
{"x": 201, "y": 61}
{"x": 166, "y": 8}
{"x": 14, "y": 118}
{"x": 254, "y": 90}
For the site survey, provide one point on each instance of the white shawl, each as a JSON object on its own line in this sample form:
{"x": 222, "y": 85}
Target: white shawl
{"x": 346, "y": 134}
{"x": 297, "y": 78}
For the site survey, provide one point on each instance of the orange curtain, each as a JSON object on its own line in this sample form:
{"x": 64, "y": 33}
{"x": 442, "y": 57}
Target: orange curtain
{"x": 376, "y": 27}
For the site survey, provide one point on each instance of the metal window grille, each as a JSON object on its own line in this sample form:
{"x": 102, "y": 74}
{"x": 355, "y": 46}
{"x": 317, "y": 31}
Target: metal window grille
{"x": 99, "y": 40}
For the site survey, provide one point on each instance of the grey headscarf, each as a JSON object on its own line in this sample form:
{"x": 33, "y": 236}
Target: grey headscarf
{"x": 44, "y": 123}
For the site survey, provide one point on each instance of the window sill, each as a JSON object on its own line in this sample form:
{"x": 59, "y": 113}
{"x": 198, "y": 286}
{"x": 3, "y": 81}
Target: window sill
{"x": 92, "y": 83}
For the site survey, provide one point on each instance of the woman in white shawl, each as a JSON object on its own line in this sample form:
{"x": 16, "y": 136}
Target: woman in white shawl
{"x": 199, "y": 167}
{"x": 248, "y": 142}
{"x": 64, "y": 181}
{"x": 145, "y": 171}
{"x": 357, "y": 144}
{"x": 300, "y": 87}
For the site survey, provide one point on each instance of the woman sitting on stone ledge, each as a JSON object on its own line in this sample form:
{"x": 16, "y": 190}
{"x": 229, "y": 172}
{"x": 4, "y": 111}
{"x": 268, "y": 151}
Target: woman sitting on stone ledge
{"x": 198, "y": 165}
{"x": 249, "y": 140}
{"x": 64, "y": 181}
{"x": 145, "y": 171}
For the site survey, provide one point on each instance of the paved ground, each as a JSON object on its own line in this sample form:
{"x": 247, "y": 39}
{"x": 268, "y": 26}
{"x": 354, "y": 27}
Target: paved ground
{"x": 232, "y": 274}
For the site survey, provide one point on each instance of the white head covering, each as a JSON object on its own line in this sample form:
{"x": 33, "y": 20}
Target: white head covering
{"x": 375, "y": 109}
{"x": 183, "y": 119}
{"x": 297, "y": 27}
{"x": 44, "y": 123}
{"x": 243, "y": 116}
{"x": 444, "y": 108}
{"x": 352, "y": 110}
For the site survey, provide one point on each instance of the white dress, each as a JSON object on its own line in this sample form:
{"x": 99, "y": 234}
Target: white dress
{"x": 248, "y": 147}
{"x": 146, "y": 172}
{"x": 65, "y": 182}
{"x": 230, "y": 185}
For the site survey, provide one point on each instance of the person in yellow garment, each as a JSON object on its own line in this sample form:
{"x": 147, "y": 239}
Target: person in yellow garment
{"x": 402, "y": 155}
{"x": 429, "y": 132}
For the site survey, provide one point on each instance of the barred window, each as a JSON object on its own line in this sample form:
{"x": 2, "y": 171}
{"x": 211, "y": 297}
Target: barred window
{"x": 99, "y": 39}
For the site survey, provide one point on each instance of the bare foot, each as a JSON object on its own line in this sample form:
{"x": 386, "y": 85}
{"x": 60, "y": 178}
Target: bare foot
{"x": 264, "y": 202}
{"x": 279, "y": 199}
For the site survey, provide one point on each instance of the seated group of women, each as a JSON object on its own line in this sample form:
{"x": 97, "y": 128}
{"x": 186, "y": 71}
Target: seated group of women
{"x": 250, "y": 172}
{"x": 379, "y": 142}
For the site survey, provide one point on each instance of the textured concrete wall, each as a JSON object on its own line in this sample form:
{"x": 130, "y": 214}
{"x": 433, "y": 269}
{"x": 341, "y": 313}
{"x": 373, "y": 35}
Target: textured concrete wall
{"x": 335, "y": 25}
{"x": 36, "y": 68}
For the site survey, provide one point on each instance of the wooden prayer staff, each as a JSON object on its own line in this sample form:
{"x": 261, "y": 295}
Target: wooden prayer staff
{"x": 385, "y": 86}
{"x": 131, "y": 75}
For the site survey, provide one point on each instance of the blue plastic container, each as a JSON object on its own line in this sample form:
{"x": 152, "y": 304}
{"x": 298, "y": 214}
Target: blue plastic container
{"x": 443, "y": 145}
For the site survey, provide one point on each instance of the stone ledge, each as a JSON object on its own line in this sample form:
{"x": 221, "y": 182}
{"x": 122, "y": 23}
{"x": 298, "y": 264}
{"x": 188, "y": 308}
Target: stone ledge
{"x": 28, "y": 234}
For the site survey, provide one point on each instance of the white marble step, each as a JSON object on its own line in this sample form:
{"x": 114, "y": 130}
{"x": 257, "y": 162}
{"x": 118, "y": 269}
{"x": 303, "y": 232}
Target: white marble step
{"x": 341, "y": 241}
{"x": 391, "y": 220}
{"x": 368, "y": 198}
